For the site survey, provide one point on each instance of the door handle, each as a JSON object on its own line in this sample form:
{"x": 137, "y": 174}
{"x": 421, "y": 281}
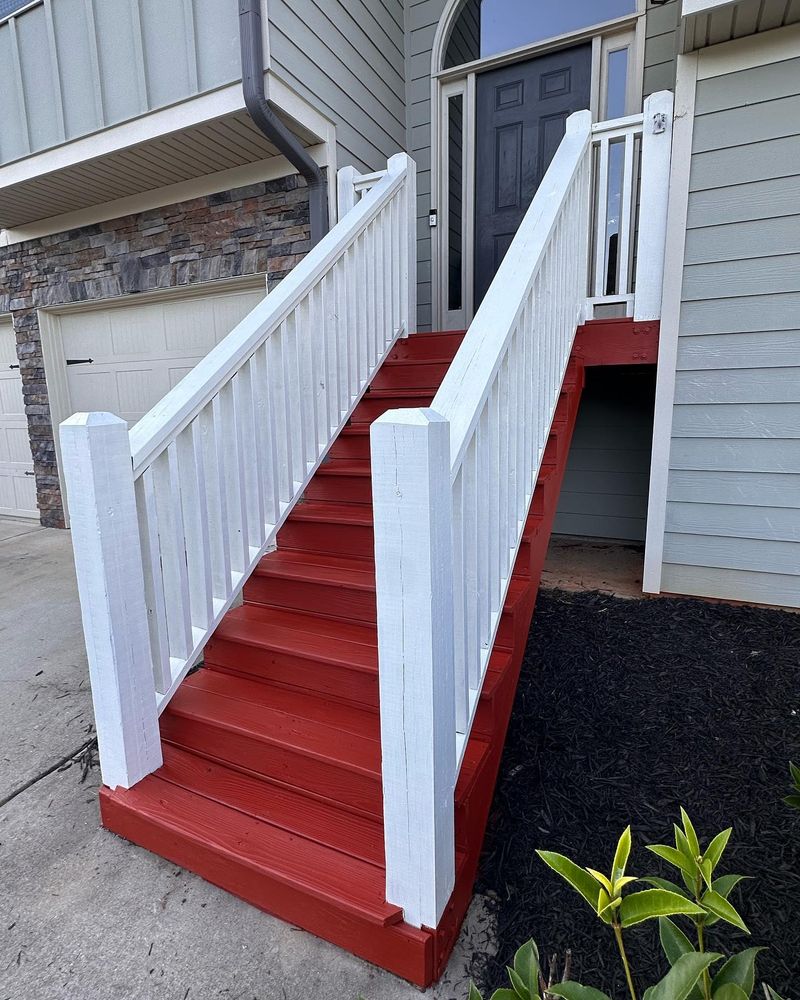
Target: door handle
{"x": 80, "y": 361}
{"x": 13, "y": 366}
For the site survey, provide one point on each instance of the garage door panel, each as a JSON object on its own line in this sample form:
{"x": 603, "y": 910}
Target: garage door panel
{"x": 17, "y": 485}
{"x": 137, "y": 330}
{"x": 228, "y": 310}
{"x": 188, "y": 328}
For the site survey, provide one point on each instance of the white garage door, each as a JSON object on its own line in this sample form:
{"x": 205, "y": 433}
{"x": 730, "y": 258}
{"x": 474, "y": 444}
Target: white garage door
{"x": 124, "y": 357}
{"x": 17, "y": 486}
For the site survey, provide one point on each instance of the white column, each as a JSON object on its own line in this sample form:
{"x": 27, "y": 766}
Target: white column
{"x": 98, "y": 471}
{"x": 408, "y": 280}
{"x": 412, "y": 505}
{"x": 654, "y": 199}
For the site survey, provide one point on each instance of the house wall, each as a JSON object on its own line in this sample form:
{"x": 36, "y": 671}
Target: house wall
{"x": 262, "y": 228}
{"x": 347, "y": 58}
{"x": 733, "y": 489}
{"x": 661, "y": 45}
{"x": 604, "y": 492}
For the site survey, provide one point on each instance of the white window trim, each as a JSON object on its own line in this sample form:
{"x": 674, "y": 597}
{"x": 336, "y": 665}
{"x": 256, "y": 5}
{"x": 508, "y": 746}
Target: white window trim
{"x": 605, "y": 37}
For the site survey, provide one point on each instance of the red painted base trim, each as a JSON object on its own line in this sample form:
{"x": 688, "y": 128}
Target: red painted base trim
{"x": 617, "y": 342}
{"x": 270, "y": 786}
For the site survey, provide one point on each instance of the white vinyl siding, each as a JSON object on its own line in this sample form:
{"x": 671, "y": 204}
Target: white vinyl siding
{"x": 733, "y": 494}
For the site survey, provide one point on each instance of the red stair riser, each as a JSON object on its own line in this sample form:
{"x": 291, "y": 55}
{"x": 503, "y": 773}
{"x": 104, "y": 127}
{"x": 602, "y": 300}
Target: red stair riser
{"x": 349, "y": 448}
{"x": 353, "y": 540}
{"x": 339, "y": 489}
{"x": 411, "y": 375}
{"x": 400, "y": 949}
{"x": 299, "y": 673}
{"x": 293, "y": 766}
{"x": 422, "y": 346}
{"x": 300, "y": 595}
{"x": 373, "y": 406}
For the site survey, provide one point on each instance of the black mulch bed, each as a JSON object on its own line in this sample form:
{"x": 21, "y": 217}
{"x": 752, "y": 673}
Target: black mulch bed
{"x": 625, "y": 711}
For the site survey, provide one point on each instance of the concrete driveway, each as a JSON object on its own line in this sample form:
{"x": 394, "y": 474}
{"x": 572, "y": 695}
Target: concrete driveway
{"x": 87, "y": 916}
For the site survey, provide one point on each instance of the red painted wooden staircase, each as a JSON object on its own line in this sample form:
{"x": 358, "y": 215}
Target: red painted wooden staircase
{"x": 271, "y": 782}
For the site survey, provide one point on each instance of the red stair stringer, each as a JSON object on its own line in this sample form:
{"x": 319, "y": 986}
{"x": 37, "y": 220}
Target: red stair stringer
{"x": 271, "y": 782}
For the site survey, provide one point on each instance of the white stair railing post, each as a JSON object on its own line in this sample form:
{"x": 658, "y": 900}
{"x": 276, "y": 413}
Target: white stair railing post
{"x": 412, "y": 505}
{"x": 654, "y": 198}
{"x": 408, "y": 279}
{"x": 97, "y": 465}
{"x": 345, "y": 190}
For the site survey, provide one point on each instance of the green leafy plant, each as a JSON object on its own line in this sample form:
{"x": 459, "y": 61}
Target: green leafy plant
{"x": 794, "y": 799}
{"x": 703, "y": 899}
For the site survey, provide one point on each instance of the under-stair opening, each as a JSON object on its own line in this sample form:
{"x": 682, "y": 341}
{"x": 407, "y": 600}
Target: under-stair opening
{"x": 599, "y": 529}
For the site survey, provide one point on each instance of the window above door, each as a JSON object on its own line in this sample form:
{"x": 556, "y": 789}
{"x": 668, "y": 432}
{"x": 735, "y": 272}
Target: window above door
{"x": 488, "y": 27}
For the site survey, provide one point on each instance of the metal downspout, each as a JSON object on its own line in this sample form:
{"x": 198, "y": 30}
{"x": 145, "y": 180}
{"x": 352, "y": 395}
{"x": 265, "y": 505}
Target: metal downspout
{"x": 260, "y": 110}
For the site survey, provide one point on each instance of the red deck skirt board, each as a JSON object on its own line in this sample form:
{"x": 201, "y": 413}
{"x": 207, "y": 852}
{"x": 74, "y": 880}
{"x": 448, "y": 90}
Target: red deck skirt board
{"x": 271, "y": 782}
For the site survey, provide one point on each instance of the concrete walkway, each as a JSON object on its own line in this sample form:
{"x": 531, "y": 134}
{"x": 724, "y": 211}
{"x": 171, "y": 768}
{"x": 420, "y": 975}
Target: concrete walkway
{"x": 87, "y": 916}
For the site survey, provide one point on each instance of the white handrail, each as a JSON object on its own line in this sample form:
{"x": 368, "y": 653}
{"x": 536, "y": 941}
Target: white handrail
{"x": 452, "y": 486}
{"x": 170, "y": 519}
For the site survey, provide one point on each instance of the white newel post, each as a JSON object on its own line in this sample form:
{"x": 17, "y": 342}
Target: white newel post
{"x": 654, "y": 198}
{"x": 345, "y": 190}
{"x": 96, "y": 456}
{"x": 408, "y": 279}
{"x": 412, "y": 504}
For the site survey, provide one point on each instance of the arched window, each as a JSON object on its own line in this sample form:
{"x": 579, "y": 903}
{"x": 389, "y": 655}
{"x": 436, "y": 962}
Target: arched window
{"x": 486, "y": 27}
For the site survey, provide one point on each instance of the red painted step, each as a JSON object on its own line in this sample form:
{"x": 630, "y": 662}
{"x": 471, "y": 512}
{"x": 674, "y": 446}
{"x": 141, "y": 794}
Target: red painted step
{"x": 271, "y": 782}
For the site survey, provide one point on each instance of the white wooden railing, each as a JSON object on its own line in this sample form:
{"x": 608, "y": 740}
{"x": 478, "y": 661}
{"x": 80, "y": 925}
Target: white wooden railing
{"x": 170, "y": 519}
{"x": 629, "y": 218}
{"x": 452, "y": 485}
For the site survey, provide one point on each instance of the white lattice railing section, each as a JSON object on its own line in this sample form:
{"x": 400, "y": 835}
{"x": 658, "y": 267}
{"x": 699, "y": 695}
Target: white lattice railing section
{"x": 170, "y": 519}
{"x": 452, "y": 485}
{"x": 630, "y": 185}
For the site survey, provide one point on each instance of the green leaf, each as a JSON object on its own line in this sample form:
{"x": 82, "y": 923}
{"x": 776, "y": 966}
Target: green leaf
{"x": 662, "y": 883}
{"x": 602, "y": 879}
{"x": 683, "y": 846}
{"x": 705, "y": 871}
{"x": 575, "y": 991}
{"x": 622, "y": 881}
{"x": 674, "y": 857}
{"x": 504, "y": 994}
{"x": 526, "y": 965}
{"x": 520, "y": 988}
{"x": 716, "y": 847}
{"x": 731, "y": 992}
{"x": 608, "y": 909}
{"x": 622, "y": 854}
{"x": 793, "y": 801}
{"x": 794, "y": 770}
{"x": 578, "y": 878}
{"x": 691, "y": 836}
{"x": 771, "y": 994}
{"x": 474, "y": 992}
{"x": 725, "y": 884}
{"x": 651, "y": 903}
{"x": 681, "y": 978}
{"x": 721, "y": 908}
{"x": 673, "y": 940}
{"x": 740, "y": 970}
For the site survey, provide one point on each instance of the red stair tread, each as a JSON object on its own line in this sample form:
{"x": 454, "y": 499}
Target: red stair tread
{"x": 333, "y": 513}
{"x": 270, "y": 802}
{"x": 301, "y": 565}
{"x": 354, "y": 885}
{"x": 260, "y": 625}
{"x": 299, "y": 719}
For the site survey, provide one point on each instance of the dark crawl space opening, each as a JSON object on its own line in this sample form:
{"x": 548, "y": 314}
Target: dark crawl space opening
{"x": 626, "y": 710}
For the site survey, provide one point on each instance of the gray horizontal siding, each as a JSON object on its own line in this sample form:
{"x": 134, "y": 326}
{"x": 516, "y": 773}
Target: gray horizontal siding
{"x": 733, "y": 496}
{"x": 660, "y": 46}
{"x": 348, "y": 60}
{"x": 604, "y": 492}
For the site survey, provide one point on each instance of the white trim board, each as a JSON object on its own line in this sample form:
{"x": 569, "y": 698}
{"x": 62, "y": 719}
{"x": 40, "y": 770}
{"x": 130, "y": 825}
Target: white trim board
{"x": 740, "y": 54}
{"x": 683, "y": 129}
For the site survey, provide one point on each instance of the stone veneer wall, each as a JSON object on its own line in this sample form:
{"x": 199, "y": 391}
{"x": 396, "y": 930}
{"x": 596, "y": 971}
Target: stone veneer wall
{"x": 261, "y": 228}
